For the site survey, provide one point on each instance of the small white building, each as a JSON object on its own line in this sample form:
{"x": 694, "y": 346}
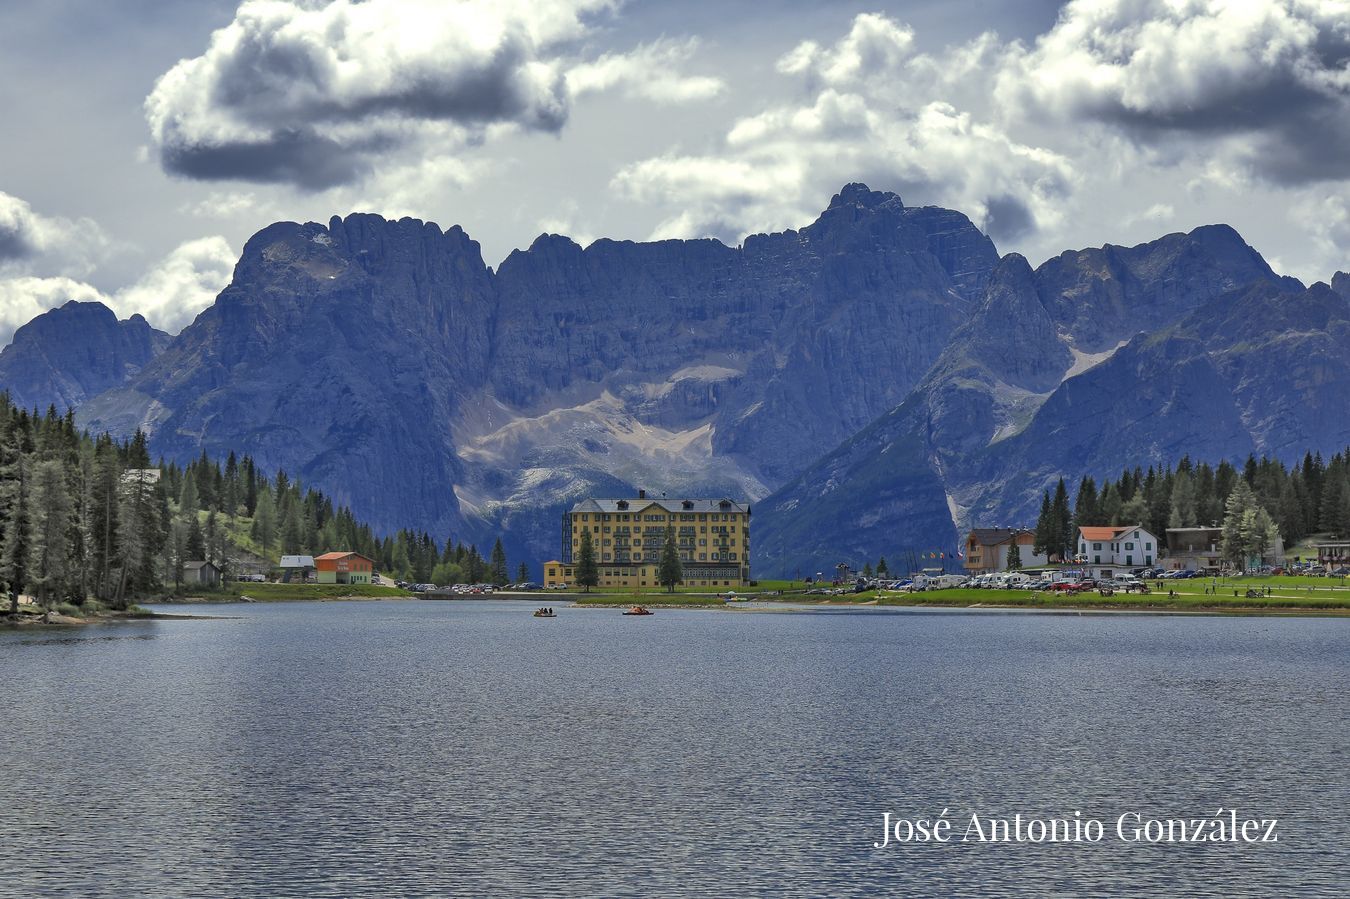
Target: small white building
{"x": 1104, "y": 550}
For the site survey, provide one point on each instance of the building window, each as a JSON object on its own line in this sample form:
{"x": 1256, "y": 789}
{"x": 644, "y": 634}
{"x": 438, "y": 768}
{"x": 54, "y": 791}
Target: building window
{"x": 1096, "y": 546}
{"x": 1129, "y": 546}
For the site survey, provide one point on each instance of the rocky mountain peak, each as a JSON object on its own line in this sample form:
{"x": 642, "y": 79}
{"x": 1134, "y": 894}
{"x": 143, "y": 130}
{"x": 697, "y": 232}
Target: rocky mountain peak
{"x": 1340, "y": 282}
{"x": 68, "y": 354}
{"x": 860, "y": 195}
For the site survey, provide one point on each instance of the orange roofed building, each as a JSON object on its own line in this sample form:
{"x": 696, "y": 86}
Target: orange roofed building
{"x": 1124, "y": 547}
{"x": 344, "y": 568}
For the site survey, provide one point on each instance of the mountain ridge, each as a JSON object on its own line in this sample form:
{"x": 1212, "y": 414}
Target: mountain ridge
{"x": 879, "y": 366}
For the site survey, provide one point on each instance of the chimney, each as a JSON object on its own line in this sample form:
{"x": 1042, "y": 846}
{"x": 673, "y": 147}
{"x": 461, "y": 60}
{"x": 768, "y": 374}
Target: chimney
{"x": 642, "y": 494}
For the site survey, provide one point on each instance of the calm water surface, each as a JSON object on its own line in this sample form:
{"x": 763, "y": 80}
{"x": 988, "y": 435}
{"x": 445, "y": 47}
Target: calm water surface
{"x": 457, "y": 748}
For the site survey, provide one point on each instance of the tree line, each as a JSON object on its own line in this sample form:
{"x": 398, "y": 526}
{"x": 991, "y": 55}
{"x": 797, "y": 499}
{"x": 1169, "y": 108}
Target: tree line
{"x": 86, "y": 517}
{"x": 1255, "y": 504}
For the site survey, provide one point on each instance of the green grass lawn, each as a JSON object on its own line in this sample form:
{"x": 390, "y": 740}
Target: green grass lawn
{"x": 294, "y": 592}
{"x": 651, "y": 599}
{"x": 1158, "y": 599}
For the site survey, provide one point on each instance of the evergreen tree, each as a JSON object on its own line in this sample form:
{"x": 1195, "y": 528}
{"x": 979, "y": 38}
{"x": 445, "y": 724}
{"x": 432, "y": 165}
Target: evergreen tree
{"x": 266, "y": 521}
{"x": 498, "y": 568}
{"x": 1237, "y": 522}
{"x": 1085, "y": 512}
{"x": 1064, "y": 536}
{"x": 1110, "y": 505}
{"x": 671, "y": 572}
{"x": 52, "y": 520}
{"x": 523, "y": 573}
{"x": 1014, "y": 557}
{"x": 588, "y": 572}
{"x": 187, "y": 499}
{"x": 17, "y": 515}
{"x": 867, "y": 570}
{"x": 882, "y": 570}
{"x": 291, "y": 533}
{"x": 1045, "y": 528}
{"x": 1183, "y": 514}
{"x": 195, "y": 542}
{"x": 1135, "y": 510}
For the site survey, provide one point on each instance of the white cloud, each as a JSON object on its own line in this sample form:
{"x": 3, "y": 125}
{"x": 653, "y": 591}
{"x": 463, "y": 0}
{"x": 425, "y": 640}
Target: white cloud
{"x": 1274, "y": 73}
{"x": 180, "y": 285}
{"x": 877, "y": 113}
{"x": 31, "y": 242}
{"x": 24, "y": 298}
{"x": 313, "y": 95}
{"x": 648, "y": 72}
{"x": 169, "y": 294}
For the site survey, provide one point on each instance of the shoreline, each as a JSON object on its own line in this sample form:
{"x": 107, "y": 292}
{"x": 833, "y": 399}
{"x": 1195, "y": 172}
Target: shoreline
{"x": 29, "y": 620}
{"x": 766, "y": 604}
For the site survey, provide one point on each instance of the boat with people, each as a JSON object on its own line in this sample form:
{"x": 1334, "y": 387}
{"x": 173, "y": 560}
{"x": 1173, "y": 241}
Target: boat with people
{"x": 639, "y": 610}
{"x": 545, "y": 612}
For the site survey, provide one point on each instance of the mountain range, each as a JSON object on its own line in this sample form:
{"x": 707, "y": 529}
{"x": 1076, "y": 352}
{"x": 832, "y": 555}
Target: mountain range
{"x": 870, "y": 383}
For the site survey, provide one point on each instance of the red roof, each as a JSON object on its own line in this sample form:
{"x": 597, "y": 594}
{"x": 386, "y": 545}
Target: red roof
{"x": 1105, "y": 533}
{"x": 333, "y": 557}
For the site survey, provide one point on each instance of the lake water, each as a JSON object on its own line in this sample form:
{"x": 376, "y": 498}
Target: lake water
{"x": 465, "y": 748}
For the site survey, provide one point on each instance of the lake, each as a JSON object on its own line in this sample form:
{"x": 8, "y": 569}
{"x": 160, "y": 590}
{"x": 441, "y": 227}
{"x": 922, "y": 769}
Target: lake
{"x": 408, "y": 748}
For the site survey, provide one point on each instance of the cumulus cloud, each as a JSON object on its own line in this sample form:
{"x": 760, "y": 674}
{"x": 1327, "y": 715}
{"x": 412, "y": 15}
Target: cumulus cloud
{"x": 30, "y": 241}
{"x": 649, "y": 72}
{"x": 180, "y": 285}
{"x": 310, "y": 95}
{"x": 1273, "y": 72}
{"x": 876, "y": 112}
{"x": 169, "y": 294}
{"x": 24, "y": 298}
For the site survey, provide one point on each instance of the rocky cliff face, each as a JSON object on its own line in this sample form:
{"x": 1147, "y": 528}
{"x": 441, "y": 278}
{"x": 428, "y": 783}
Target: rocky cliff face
{"x": 1061, "y": 371}
{"x": 385, "y": 363}
{"x": 880, "y": 375}
{"x": 68, "y": 355}
{"x": 339, "y": 354}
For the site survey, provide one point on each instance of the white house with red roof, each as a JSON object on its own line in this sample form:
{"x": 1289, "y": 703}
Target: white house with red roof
{"x": 1106, "y": 549}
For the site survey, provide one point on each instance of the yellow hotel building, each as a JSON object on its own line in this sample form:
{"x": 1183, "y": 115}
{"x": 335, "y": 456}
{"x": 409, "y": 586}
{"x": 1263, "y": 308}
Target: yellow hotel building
{"x": 627, "y": 534}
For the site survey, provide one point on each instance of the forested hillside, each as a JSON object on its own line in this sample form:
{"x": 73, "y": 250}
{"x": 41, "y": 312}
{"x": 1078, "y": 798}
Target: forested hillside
{"x": 84, "y": 518}
{"x": 1262, "y": 500}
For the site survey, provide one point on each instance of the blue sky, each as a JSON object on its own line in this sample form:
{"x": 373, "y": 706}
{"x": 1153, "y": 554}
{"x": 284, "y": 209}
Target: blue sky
{"x": 146, "y": 140}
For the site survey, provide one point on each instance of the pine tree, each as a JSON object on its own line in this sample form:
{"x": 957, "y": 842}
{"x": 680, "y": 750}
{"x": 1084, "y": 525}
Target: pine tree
{"x": 195, "y": 542}
{"x": 188, "y": 503}
{"x": 882, "y": 570}
{"x": 1014, "y": 557}
{"x": 1135, "y": 510}
{"x": 17, "y": 515}
{"x": 523, "y": 573}
{"x": 671, "y": 572}
{"x": 498, "y": 568}
{"x": 1045, "y": 528}
{"x": 52, "y": 520}
{"x": 1237, "y": 523}
{"x": 1063, "y": 538}
{"x": 588, "y": 573}
{"x": 867, "y": 570}
{"x": 266, "y": 520}
{"x": 1183, "y": 502}
{"x": 1085, "y": 512}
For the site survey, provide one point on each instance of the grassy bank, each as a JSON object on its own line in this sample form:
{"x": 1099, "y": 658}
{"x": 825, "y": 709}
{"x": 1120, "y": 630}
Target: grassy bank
{"x": 651, "y": 600}
{"x": 301, "y": 592}
{"x": 1191, "y": 601}
{"x": 70, "y": 615}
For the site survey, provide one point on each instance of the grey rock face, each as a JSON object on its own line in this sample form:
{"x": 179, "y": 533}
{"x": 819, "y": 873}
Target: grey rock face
{"x": 67, "y": 355}
{"x": 385, "y": 363}
{"x": 1032, "y": 388}
{"x": 879, "y": 378}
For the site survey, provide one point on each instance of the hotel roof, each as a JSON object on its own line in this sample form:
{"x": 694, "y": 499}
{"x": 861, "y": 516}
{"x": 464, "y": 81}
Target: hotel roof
{"x": 636, "y": 504}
